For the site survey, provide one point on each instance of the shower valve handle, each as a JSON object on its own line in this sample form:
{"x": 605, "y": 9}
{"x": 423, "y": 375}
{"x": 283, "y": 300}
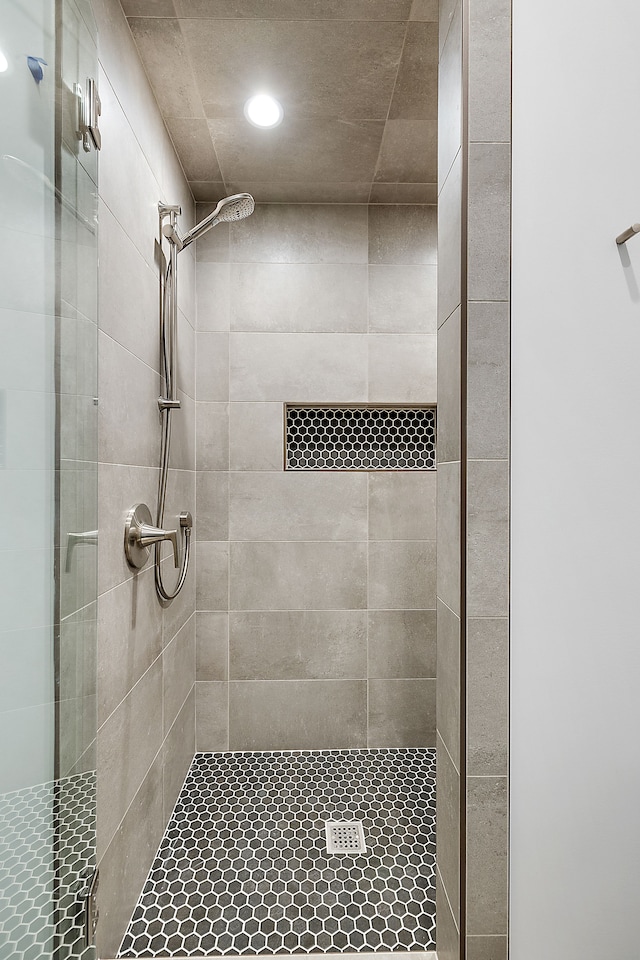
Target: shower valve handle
{"x": 148, "y": 535}
{"x": 140, "y": 534}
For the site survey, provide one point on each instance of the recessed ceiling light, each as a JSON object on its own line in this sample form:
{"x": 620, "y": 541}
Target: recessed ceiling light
{"x": 263, "y": 111}
{"x": 4, "y": 63}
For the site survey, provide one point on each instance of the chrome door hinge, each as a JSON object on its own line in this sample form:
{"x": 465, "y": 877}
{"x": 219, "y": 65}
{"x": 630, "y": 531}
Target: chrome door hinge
{"x": 89, "y": 109}
{"x": 87, "y": 892}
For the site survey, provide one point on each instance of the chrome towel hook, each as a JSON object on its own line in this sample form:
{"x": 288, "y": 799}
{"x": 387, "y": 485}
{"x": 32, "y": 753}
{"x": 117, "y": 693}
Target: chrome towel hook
{"x": 628, "y": 233}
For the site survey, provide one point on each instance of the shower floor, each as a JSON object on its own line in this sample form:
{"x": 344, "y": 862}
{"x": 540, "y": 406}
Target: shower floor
{"x": 243, "y": 865}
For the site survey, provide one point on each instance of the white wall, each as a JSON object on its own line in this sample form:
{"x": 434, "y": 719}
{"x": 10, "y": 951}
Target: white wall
{"x": 575, "y": 722}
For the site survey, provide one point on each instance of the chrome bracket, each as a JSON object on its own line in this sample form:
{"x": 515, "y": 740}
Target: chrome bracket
{"x": 86, "y": 890}
{"x": 89, "y": 109}
{"x": 171, "y": 210}
{"x": 73, "y": 539}
{"x": 628, "y": 233}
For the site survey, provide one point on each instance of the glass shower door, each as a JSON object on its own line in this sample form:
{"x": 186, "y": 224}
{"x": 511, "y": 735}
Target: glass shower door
{"x": 48, "y": 490}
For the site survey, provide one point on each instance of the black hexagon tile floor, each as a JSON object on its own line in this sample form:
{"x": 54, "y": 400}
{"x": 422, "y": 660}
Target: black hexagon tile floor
{"x": 47, "y": 847}
{"x": 243, "y": 866}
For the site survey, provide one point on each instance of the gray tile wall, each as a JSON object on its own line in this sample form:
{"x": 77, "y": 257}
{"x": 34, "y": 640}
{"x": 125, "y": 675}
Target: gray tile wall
{"x": 315, "y": 591}
{"x": 473, "y": 489}
{"x": 146, "y": 654}
{"x": 487, "y": 377}
{"x": 448, "y": 694}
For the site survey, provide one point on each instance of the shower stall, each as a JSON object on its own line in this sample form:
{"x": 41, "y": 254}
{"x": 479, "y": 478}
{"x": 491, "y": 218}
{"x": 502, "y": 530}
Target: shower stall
{"x": 231, "y": 749}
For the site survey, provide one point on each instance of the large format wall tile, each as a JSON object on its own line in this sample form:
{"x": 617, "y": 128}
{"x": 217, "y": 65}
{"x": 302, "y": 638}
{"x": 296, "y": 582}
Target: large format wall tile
{"x": 212, "y": 436}
{"x": 117, "y": 445}
{"x": 449, "y": 400}
{"x": 126, "y": 861}
{"x": 298, "y": 645}
{"x": 256, "y": 439}
{"x": 130, "y": 638}
{"x": 489, "y": 230}
{"x": 128, "y": 741}
{"x": 163, "y": 44}
{"x": 488, "y": 538}
{"x": 450, "y": 96}
{"x": 301, "y": 233}
{"x": 298, "y": 576}
{"x": 448, "y": 522}
{"x": 212, "y": 575}
{"x": 297, "y": 714}
{"x": 213, "y": 295}
{"x": 448, "y": 936}
{"x": 212, "y": 367}
{"x": 402, "y": 643}
{"x": 212, "y": 716}
{"x": 490, "y": 71}
{"x": 448, "y": 819}
{"x": 298, "y": 506}
{"x": 299, "y": 297}
{"x": 402, "y": 713}
{"x": 402, "y": 299}
{"x": 487, "y": 948}
{"x": 179, "y": 670}
{"x": 212, "y": 511}
{"x": 128, "y": 291}
{"x": 487, "y": 697}
{"x": 488, "y": 381}
{"x": 402, "y": 506}
{"x": 405, "y": 235}
{"x": 402, "y": 574}
{"x": 487, "y": 855}
{"x": 177, "y": 751}
{"x": 402, "y": 368}
{"x": 450, "y": 242}
{"x": 448, "y": 674}
{"x": 298, "y": 367}
{"x": 212, "y": 645}
{"x": 408, "y": 153}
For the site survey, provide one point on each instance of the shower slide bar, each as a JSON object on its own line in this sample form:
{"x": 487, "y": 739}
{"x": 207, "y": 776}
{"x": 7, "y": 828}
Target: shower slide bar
{"x": 140, "y": 534}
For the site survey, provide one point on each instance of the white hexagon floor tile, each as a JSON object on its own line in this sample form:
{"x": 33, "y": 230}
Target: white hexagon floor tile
{"x": 243, "y": 866}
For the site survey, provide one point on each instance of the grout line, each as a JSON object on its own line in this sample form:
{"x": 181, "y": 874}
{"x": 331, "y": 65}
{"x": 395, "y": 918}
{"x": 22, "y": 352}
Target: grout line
{"x": 444, "y": 888}
{"x": 131, "y": 689}
{"x": 363, "y": 610}
{"x": 453, "y": 763}
{"x": 361, "y": 679}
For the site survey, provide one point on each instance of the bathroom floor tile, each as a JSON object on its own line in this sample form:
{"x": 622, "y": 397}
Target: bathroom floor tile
{"x": 243, "y": 866}
{"x": 47, "y": 851}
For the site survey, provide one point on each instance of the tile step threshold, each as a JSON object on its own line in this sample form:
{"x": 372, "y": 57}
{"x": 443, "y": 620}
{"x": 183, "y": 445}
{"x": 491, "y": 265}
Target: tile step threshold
{"x": 316, "y": 955}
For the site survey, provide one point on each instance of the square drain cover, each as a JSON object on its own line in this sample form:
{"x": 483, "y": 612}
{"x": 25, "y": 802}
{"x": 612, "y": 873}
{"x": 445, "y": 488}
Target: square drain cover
{"x": 345, "y": 837}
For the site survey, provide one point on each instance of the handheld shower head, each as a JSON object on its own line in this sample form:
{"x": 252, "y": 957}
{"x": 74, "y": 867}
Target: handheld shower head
{"x": 236, "y": 207}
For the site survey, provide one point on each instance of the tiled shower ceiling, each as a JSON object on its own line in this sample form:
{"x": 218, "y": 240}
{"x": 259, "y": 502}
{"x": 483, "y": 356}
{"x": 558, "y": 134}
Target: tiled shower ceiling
{"x": 357, "y": 80}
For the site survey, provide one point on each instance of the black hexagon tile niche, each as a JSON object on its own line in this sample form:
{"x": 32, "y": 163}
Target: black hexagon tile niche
{"x": 243, "y": 866}
{"x": 367, "y": 437}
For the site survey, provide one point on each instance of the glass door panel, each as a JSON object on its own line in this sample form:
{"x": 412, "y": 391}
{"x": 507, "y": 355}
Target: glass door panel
{"x": 48, "y": 487}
